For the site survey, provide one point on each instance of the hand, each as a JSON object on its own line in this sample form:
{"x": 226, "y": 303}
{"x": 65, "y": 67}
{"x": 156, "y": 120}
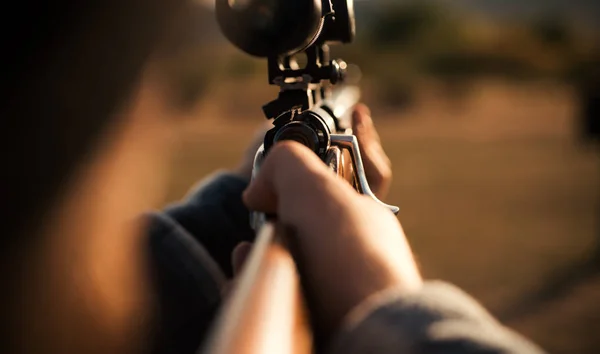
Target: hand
{"x": 348, "y": 247}
{"x": 377, "y": 164}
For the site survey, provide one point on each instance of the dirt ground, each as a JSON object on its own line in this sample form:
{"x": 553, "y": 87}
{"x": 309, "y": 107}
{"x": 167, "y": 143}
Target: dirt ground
{"x": 496, "y": 196}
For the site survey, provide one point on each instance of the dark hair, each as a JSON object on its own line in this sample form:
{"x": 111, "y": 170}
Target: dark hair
{"x": 68, "y": 66}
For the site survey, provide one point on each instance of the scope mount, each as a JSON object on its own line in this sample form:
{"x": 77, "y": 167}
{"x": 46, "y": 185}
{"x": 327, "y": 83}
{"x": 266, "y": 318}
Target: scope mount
{"x": 303, "y": 88}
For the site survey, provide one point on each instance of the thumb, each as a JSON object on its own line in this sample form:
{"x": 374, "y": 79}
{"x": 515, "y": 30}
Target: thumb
{"x": 292, "y": 179}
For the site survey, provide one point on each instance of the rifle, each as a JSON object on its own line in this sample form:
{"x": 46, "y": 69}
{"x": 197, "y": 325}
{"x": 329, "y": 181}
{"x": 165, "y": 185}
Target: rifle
{"x": 267, "y": 312}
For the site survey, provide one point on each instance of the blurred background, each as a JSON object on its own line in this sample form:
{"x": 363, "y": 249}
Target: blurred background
{"x": 487, "y": 109}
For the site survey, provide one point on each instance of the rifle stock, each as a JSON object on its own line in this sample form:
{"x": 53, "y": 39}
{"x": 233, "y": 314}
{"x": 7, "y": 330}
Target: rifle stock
{"x": 266, "y": 311}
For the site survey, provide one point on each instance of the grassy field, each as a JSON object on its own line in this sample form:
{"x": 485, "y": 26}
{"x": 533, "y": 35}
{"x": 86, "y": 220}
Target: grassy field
{"x": 496, "y": 196}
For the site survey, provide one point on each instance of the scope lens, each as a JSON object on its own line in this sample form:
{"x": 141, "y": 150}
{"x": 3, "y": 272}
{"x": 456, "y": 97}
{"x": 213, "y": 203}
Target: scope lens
{"x": 266, "y": 28}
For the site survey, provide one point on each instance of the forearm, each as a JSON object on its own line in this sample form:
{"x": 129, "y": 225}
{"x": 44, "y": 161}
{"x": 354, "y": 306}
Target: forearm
{"x": 190, "y": 247}
{"x": 438, "y": 319}
{"x": 215, "y": 215}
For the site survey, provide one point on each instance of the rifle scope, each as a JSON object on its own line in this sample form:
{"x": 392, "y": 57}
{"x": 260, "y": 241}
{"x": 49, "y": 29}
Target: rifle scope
{"x": 273, "y": 28}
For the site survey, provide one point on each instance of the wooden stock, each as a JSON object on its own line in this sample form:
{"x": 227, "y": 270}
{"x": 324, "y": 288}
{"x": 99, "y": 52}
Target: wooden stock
{"x": 265, "y": 313}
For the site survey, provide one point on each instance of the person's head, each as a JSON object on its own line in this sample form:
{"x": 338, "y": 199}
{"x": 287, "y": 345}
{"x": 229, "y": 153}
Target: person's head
{"x": 86, "y": 111}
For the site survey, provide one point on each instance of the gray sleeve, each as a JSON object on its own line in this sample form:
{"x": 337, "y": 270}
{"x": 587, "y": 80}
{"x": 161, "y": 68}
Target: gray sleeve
{"x": 190, "y": 246}
{"x": 187, "y": 286}
{"x": 215, "y": 215}
{"x": 439, "y": 319}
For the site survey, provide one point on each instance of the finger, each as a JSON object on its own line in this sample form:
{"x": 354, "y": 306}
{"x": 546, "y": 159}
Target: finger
{"x": 291, "y": 179}
{"x": 239, "y": 256}
{"x": 363, "y": 123}
{"x": 377, "y": 164}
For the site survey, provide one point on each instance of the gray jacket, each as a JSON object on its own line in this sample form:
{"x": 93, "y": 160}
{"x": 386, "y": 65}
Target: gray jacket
{"x": 190, "y": 248}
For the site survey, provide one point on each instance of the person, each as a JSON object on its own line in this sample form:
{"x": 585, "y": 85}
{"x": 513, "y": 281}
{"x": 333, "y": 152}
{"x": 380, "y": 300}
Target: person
{"x": 88, "y": 105}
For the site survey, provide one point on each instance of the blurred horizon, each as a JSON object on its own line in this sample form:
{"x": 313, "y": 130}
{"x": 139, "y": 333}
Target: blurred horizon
{"x": 402, "y": 44}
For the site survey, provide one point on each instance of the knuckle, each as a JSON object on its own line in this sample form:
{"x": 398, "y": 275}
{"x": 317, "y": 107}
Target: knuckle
{"x": 287, "y": 150}
{"x": 291, "y": 158}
